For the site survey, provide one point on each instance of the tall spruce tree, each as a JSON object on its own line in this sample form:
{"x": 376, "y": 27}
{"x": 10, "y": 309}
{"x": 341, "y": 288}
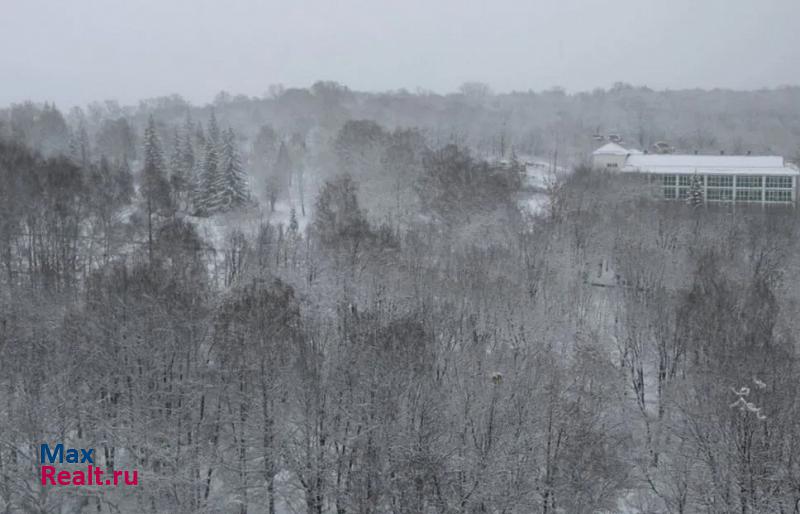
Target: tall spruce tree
{"x": 294, "y": 226}
{"x": 233, "y": 181}
{"x": 178, "y": 172}
{"x": 187, "y": 149}
{"x": 188, "y": 162}
{"x": 198, "y": 144}
{"x": 696, "y": 198}
{"x": 211, "y": 199}
{"x": 155, "y": 186}
{"x": 213, "y": 129}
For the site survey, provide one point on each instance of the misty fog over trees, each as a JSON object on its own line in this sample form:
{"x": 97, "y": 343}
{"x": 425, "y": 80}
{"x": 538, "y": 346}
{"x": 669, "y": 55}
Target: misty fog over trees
{"x": 330, "y": 301}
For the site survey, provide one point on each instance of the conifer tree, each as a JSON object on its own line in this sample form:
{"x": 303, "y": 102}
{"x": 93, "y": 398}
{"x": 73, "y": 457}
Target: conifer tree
{"x": 175, "y": 155}
{"x": 187, "y": 149}
{"x": 213, "y": 129}
{"x": 294, "y": 226}
{"x": 695, "y": 198}
{"x": 232, "y": 179}
{"x": 155, "y": 187}
{"x": 199, "y": 136}
{"x": 179, "y": 174}
{"x": 188, "y": 127}
{"x": 198, "y": 147}
{"x": 187, "y": 158}
{"x": 211, "y": 195}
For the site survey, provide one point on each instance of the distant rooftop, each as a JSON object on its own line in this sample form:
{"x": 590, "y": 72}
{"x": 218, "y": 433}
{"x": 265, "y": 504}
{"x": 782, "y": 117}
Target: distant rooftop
{"x": 682, "y": 164}
{"x": 709, "y": 164}
{"x": 611, "y": 149}
{"x": 707, "y": 161}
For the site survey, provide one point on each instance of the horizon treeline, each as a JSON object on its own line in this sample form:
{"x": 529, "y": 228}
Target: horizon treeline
{"x": 493, "y": 125}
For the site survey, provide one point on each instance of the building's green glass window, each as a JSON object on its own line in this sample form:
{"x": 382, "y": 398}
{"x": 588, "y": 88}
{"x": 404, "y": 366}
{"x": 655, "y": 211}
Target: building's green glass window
{"x": 683, "y": 193}
{"x": 748, "y": 195}
{"x": 685, "y": 180}
{"x": 748, "y": 181}
{"x": 779, "y": 182}
{"x": 779, "y": 196}
{"x": 720, "y": 181}
{"x": 669, "y": 193}
{"x": 716, "y": 194}
{"x": 668, "y": 180}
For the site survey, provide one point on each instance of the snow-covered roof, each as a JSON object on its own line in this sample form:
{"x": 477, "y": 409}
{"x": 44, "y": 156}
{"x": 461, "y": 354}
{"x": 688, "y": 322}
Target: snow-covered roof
{"x": 611, "y": 149}
{"x": 712, "y": 161}
{"x": 709, "y": 164}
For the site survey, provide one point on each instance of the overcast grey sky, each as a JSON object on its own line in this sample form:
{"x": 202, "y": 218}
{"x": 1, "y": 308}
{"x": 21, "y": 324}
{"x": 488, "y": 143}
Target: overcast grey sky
{"x": 75, "y": 51}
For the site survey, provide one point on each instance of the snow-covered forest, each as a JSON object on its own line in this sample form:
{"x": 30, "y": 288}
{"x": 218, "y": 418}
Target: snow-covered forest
{"x": 330, "y": 301}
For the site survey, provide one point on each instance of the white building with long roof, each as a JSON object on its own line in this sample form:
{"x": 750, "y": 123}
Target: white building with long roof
{"x": 766, "y": 179}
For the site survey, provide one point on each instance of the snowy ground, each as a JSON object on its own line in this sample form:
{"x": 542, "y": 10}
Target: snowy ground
{"x": 540, "y": 175}
{"x": 533, "y": 203}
